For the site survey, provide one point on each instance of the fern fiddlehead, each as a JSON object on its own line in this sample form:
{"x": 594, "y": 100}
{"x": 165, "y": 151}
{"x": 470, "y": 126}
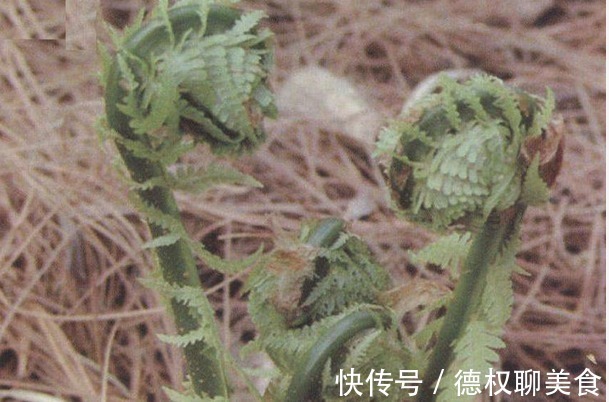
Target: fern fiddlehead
{"x": 194, "y": 73}
{"x": 317, "y": 307}
{"x": 472, "y": 157}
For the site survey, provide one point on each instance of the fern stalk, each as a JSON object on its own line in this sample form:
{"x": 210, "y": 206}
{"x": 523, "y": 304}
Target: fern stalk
{"x": 306, "y": 380}
{"x": 128, "y": 108}
{"x": 176, "y": 262}
{"x": 470, "y": 158}
{"x": 484, "y": 250}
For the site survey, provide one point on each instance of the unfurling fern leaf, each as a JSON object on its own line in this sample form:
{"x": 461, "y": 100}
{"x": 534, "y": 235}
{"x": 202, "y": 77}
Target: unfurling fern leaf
{"x": 463, "y": 154}
{"x": 472, "y": 158}
{"x": 317, "y": 308}
{"x": 194, "y": 73}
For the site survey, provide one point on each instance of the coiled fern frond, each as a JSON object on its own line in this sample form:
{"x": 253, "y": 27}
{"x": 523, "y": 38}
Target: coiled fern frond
{"x": 194, "y": 73}
{"x": 317, "y": 306}
{"x": 197, "y": 68}
{"x": 465, "y": 152}
{"x": 472, "y": 157}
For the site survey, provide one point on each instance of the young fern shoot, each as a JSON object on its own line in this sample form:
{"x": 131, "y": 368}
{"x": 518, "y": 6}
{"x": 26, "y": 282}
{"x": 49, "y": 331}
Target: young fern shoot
{"x": 193, "y": 73}
{"x": 318, "y": 308}
{"x": 471, "y": 158}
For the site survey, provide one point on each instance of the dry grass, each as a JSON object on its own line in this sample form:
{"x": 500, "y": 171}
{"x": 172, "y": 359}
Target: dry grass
{"x": 74, "y": 321}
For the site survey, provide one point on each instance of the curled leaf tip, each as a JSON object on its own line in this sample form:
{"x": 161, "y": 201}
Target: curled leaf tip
{"x": 463, "y": 153}
{"x": 317, "y": 307}
{"x": 197, "y": 68}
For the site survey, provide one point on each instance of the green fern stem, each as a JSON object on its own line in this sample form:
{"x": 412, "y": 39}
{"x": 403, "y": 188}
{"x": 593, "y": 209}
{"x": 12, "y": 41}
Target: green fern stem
{"x": 308, "y": 373}
{"x": 484, "y": 249}
{"x": 471, "y": 157}
{"x": 204, "y": 363}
